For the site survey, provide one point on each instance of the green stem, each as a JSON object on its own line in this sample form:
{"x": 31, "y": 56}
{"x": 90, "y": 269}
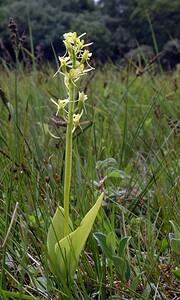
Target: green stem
{"x": 68, "y": 158}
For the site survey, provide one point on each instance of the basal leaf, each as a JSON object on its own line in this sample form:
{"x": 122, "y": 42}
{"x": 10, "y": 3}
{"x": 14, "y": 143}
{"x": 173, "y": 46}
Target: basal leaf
{"x": 111, "y": 242}
{"x": 122, "y": 244}
{"x": 55, "y": 234}
{"x": 120, "y": 266}
{"x": 128, "y": 271}
{"x": 68, "y": 249}
{"x": 175, "y": 244}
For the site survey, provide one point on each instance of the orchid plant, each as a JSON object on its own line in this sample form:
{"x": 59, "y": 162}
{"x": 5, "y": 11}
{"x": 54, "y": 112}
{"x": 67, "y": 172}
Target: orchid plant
{"x": 63, "y": 242}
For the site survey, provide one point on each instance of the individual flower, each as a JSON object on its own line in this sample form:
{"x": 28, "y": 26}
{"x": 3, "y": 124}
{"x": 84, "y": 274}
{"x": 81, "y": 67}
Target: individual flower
{"x": 64, "y": 61}
{"x": 61, "y": 104}
{"x": 76, "y": 118}
{"x": 70, "y": 37}
{"x": 75, "y": 74}
{"x": 81, "y": 99}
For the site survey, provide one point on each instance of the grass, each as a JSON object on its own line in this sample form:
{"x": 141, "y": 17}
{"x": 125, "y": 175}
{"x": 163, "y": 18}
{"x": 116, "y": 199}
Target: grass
{"x": 133, "y": 120}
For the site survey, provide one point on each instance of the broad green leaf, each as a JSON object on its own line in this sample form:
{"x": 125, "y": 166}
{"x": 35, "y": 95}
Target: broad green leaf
{"x": 111, "y": 242}
{"x": 164, "y": 245}
{"x": 113, "y": 172}
{"x": 68, "y": 249}
{"x": 106, "y": 163}
{"x": 122, "y": 244}
{"x": 101, "y": 238}
{"x": 120, "y": 266}
{"x": 175, "y": 244}
{"x": 128, "y": 271}
{"x": 55, "y": 234}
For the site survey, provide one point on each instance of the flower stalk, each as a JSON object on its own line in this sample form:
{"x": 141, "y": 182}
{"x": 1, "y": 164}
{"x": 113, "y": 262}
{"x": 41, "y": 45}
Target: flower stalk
{"x": 72, "y": 67}
{"x": 68, "y": 158}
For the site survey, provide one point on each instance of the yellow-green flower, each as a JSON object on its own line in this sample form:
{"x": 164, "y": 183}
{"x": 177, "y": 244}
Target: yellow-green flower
{"x": 60, "y": 104}
{"x": 76, "y": 119}
{"x": 75, "y": 74}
